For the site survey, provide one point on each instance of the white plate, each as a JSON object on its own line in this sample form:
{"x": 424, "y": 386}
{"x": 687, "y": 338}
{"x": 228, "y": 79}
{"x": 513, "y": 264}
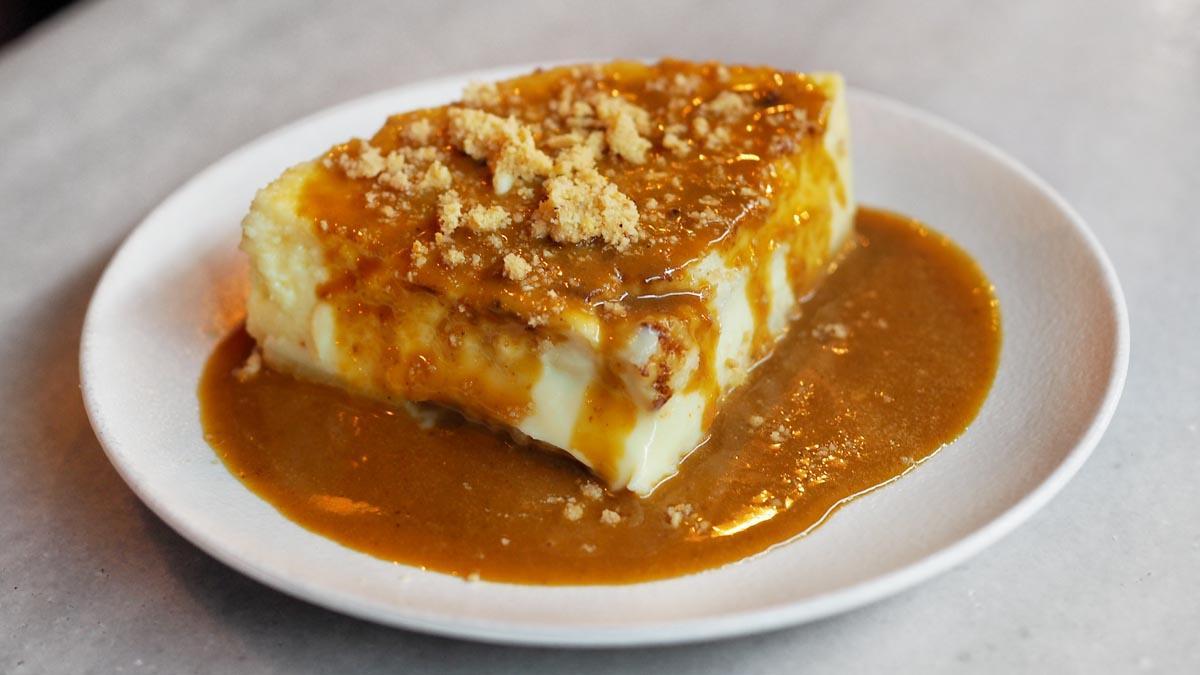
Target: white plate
{"x": 156, "y": 315}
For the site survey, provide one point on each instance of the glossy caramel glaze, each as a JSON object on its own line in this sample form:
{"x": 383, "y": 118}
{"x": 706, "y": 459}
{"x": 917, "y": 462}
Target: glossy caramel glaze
{"x": 891, "y": 359}
{"x": 687, "y": 204}
{"x": 735, "y": 165}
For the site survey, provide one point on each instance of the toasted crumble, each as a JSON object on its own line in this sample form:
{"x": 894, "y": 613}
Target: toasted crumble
{"x": 488, "y": 219}
{"x": 685, "y": 84}
{"x": 624, "y": 125}
{"x": 609, "y": 517}
{"x": 516, "y": 267}
{"x": 420, "y": 253}
{"x": 831, "y": 331}
{"x": 705, "y": 217}
{"x": 506, "y": 144}
{"x": 437, "y": 177}
{"x": 581, "y": 204}
{"x": 250, "y": 369}
{"x": 578, "y": 157}
{"x": 718, "y": 138}
{"x": 675, "y": 141}
{"x": 420, "y": 131}
{"x": 369, "y": 163}
{"x": 572, "y": 510}
{"x": 614, "y": 308}
{"x": 729, "y": 106}
{"x": 450, "y": 211}
{"x": 454, "y": 257}
{"x": 592, "y": 491}
{"x": 677, "y": 513}
{"x": 481, "y": 94}
{"x": 757, "y": 421}
{"x": 402, "y": 167}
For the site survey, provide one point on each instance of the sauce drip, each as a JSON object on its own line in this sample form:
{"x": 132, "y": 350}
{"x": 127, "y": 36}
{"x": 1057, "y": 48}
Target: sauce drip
{"x": 891, "y": 359}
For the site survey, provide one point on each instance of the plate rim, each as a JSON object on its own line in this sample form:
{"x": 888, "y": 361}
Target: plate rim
{"x": 681, "y": 631}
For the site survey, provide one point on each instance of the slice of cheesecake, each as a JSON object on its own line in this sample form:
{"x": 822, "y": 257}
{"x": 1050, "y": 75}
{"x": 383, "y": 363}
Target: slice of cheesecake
{"x": 590, "y": 257}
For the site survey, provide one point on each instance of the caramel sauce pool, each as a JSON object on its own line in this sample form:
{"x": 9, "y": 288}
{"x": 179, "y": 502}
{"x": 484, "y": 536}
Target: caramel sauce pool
{"x": 891, "y": 359}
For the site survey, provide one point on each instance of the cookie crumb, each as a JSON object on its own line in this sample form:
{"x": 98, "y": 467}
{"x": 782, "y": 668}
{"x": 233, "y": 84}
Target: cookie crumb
{"x": 677, "y": 513}
{"x": 481, "y": 94}
{"x": 420, "y": 131}
{"x": 572, "y": 510}
{"x": 624, "y": 123}
{"x": 831, "y": 331}
{"x": 592, "y": 491}
{"x": 450, "y": 211}
{"x": 516, "y": 267}
{"x": 250, "y": 369}
{"x": 488, "y": 218}
{"x": 505, "y": 143}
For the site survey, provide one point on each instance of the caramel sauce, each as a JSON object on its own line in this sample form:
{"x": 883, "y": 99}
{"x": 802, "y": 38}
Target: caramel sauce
{"x": 891, "y": 358}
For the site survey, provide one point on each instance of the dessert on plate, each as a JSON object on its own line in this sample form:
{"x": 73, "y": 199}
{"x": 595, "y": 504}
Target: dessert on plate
{"x": 591, "y": 258}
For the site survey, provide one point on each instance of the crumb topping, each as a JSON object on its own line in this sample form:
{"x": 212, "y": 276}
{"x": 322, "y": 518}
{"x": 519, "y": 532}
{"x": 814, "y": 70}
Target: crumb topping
{"x": 676, "y": 514}
{"x": 582, "y": 204}
{"x": 592, "y": 491}
{"x": 515, "y": 267}
{"x": 507, "y": 145}
{"x": 250, "y": 369}
{"x": 450, "y": 211}
{"x": 368, "y": 163}
{"x": 729, "y": 106}
{"x": 488, "y": 218}
{"x": 481, "y": 94}
{"x": 624, "y": 125}
{"x": 572, "y": 510}
{"x": 570, "y": 186}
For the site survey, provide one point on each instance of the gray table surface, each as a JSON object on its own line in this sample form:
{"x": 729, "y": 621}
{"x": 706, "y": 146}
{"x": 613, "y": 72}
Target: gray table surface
{"x": 108, "y": 108}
